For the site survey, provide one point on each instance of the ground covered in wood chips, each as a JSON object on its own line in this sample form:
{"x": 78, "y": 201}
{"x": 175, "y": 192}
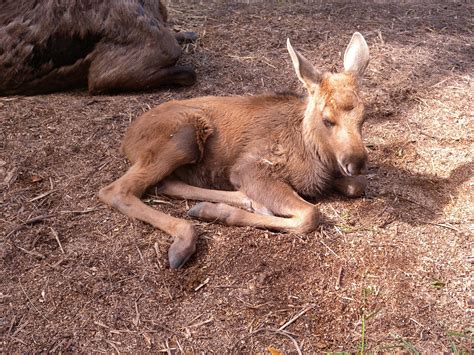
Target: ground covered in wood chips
{"x": 388, "y": 272}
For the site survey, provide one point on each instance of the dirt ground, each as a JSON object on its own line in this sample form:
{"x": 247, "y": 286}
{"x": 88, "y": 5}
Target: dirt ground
{"x": 390, "y": 272}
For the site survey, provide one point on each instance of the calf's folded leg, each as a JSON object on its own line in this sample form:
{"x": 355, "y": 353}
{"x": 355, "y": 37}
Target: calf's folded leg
{"x": 294, "y": 213}
{"x": 351, "y": 186}
{"x": 178, "y": 189}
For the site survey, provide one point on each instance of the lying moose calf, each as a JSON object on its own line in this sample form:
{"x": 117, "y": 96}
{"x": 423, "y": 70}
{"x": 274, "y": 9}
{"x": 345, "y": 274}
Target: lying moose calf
{"x": 253, "y": 155}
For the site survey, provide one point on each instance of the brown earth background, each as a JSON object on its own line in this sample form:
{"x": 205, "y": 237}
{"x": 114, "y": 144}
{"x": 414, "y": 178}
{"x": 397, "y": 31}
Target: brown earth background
{"x": 390, "y": 272}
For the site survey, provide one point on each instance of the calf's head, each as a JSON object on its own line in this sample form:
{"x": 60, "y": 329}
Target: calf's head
{"x": 335, "y": 113}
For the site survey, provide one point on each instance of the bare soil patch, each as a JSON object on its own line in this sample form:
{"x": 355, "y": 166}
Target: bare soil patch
{"x": 388, "y": 272}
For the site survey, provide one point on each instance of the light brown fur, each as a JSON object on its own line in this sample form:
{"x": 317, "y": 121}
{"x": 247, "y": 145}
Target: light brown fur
{"x": 258, "y": 155}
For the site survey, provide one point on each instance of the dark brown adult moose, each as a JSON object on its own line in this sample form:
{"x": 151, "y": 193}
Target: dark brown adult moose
{"x": 106, "y": 45}
{"x": 250, "y": 157}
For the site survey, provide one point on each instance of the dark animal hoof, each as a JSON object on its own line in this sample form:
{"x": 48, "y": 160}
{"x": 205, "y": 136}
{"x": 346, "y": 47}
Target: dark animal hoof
{"x": 182, "y": 248}
{"x": 198, "y": 210}
{"x": 186, "y": 37}
{"x": 181, "y": 75}
{"x": 178, "y": 253}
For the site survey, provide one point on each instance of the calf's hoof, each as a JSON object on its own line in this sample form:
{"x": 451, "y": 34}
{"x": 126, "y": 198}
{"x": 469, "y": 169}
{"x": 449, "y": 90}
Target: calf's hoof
{"x": 182, "y": 248}
{"x": 180, "y": 252}
{"x": 357, "y": 187}
{"x": 212, "y": 212}
{"x": 197, "y": 211}
{"x": 351, "y": 186}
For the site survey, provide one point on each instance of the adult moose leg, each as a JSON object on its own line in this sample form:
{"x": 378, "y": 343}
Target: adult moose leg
{"x": 138, "y": 67}
{"x": 186, "y": 37}
{"x": 148, "y": 169}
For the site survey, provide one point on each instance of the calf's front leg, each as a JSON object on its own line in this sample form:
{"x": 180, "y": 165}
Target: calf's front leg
{"x": 178, "y": 189}
{"x": 292, "y": 213}
{"x": 351, "y": 186}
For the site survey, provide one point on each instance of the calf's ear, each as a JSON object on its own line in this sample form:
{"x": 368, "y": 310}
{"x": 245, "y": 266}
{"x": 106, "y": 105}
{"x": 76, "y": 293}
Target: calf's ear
{"x": 305, "y": 71}
{"x": 356, "y": 57}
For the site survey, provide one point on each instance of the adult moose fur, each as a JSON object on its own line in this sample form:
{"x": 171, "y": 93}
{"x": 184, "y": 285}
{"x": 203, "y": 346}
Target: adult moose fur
{"x": 106, "y": 45}
{"x": 254, "y": 156}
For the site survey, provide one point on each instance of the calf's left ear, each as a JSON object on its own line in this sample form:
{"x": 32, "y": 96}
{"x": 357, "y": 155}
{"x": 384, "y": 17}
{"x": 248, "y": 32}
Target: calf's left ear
{"x": 356, "y": 57}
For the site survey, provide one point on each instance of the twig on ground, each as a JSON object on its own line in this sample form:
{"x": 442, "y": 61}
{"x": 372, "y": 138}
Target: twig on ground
{"x": 440, "y": 82}
{"x": 414, "y": 202}
{"x": 30, "y": 221}
{"x": 31, "y": 302}
{"x": 47, "y": 216}
{"x": 339, "y": 278}
{"x": 140, "y": 254}
{"x": 198, "y": 324}
{"x": 18, "y": 340}
{"x": 267, "y": 62}
{"x": 12, "y": 323}
{"x": 157, "y": 251}
{"x": 332, "y": 251}
{"x": 242, "y": 57}
{"x": 167, "y": 349}
{"x": 179, "y": 346}
{"x": 163, "y": 327}
{"x": 87, "y": 210}
{"x": 296, "y": 317}
{"x": 19, "y": 329}
{"x": 443, "y": 225}
{"x": 415, "y": 321}
{"x": 136, "y": 320}
{"x": 43, "y": 195}
{"x": 157, "y": 202}
{"x": 113, "y": 346}
{"x": 31, "y": 252}
{"x": 57, "y": 239}
{"x": 204, "y": 283}
{"x": 39, "y": 218}
{"x": 100, "y": 324}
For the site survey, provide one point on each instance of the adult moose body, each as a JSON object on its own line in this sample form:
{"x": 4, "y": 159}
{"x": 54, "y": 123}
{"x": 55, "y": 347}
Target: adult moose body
{"x": 106, "y": 45}
{"x": 250, "y": 158}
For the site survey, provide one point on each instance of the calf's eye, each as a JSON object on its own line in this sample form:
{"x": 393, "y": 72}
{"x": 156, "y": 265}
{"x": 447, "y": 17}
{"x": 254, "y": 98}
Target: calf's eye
{"x": 328, "y": 123}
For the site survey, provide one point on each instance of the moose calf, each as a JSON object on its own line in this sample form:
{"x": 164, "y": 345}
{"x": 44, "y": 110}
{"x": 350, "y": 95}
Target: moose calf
{"x": 251, "y": 158}
{"x": 107, "y": 45}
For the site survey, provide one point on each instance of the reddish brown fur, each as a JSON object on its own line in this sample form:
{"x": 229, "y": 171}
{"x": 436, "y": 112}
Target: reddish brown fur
{"x": 106, "y": 45}
{"x": 260, "y": 152}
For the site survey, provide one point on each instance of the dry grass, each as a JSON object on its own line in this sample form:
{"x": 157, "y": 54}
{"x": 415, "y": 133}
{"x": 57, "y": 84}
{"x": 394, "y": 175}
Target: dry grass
{"x": 389, "y": 272}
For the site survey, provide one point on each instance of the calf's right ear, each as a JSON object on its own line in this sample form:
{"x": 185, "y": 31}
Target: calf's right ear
{"x": 305, "y": 71}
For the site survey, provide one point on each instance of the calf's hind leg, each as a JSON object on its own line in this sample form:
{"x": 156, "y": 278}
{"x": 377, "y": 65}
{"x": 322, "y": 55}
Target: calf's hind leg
{"x": 150, "y": 168}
